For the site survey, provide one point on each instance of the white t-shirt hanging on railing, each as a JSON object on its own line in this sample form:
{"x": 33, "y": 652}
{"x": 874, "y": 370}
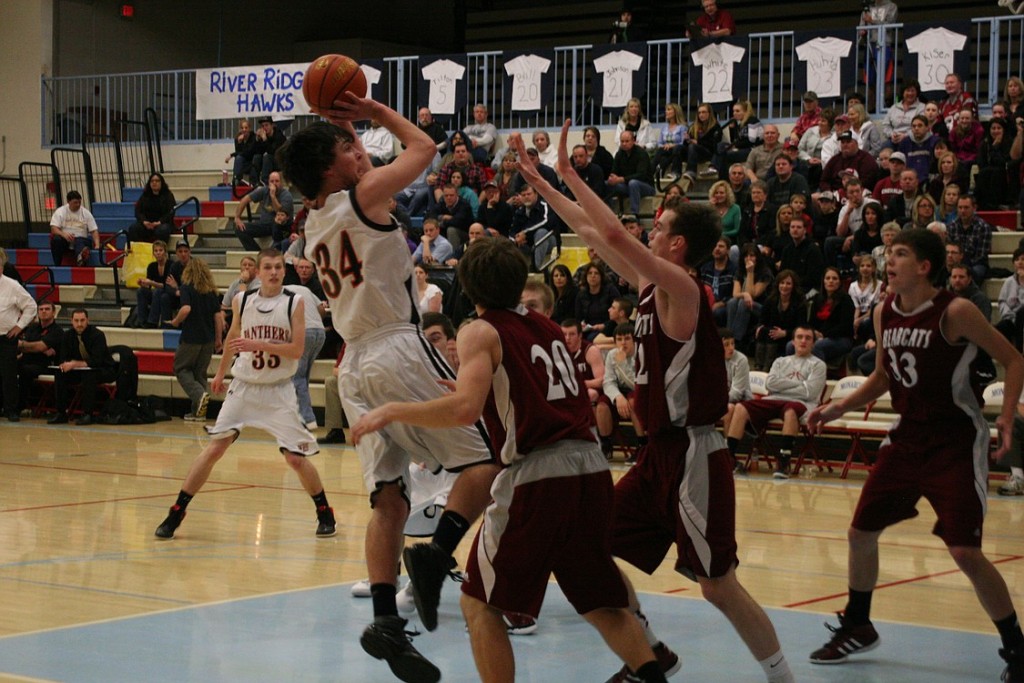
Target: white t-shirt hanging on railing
{"x": 444, "y": 76}
{"x": 823, "y": 57}
{"x": 372, "y": 79}
{"x": 717, "y": 60}
{"x": 526, "y": 72}
{"x": 935, "y": 49}
{"x": 618, "y": 68}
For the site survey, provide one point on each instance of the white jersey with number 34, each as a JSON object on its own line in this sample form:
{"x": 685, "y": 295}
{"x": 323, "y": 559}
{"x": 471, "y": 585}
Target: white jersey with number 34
{"x": 364, "y": 267}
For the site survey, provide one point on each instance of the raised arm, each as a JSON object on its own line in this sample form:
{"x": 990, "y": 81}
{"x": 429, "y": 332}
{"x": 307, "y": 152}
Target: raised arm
{"x": 377, "y": 185}
{"x": 600, "y": 228}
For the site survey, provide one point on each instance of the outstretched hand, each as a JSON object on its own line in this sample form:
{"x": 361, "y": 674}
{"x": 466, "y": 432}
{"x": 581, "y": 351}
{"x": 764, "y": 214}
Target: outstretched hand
{"x": 523, "y": 165}
{"x": 564, "y": 163}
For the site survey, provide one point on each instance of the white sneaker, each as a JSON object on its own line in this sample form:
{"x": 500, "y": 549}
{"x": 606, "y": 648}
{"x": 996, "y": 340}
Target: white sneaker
{"x": 406, "y": 603}
{"x": 1014, "y": 486}
{"x": 519, "y": 624}
{"x": 361, "y": 589}
{"x": 311, "y": 425}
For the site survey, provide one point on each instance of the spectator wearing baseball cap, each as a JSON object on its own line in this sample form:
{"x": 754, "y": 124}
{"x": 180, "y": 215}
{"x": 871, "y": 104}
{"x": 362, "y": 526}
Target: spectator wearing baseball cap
{"x": 809, "y": 117}
{"x": 889, "y": 186}
{"x": 269, "y": 139}
{"x": 830, "y": 147}
{"x": 791, "y": 149}
{"x": 850, "y": 158}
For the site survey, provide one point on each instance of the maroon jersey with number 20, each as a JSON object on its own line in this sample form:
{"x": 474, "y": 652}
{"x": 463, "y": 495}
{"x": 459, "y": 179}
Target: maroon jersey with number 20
{"x": 539, "y": 396}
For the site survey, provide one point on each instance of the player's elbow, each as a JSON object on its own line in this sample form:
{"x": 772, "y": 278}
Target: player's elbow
{"x": 465, "y": 413}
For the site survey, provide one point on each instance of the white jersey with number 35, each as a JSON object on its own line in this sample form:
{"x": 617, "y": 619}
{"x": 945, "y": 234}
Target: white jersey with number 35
{"x": 364, "y": 267}
{"x": 267, "y": 319}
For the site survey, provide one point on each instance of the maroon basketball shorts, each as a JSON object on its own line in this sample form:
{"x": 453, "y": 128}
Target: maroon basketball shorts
{"x": 551, "y": 514}
{"x": 765, "y": 410}
{"x": 680, "y": 491}
{"x": 946, "y": 465}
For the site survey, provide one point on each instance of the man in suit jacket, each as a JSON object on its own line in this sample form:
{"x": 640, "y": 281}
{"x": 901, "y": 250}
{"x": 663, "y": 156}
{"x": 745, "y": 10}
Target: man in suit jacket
{"x": 85, "y": 360}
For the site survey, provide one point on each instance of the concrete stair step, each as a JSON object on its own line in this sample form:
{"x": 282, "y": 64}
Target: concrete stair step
{"x": 1005, "y": 241}
{"x": 98, "y": 314}
{"x": 215, "y": 258}
{"x": 219, "y": 241}
{"x": 176, "y": 179}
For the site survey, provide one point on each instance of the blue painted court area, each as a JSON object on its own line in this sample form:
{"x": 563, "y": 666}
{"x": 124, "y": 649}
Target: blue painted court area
{"x": 313, "y": 635}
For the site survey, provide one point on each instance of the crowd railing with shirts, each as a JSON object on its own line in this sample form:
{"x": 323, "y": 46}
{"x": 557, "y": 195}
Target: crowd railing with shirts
{"x": 74, "y": 107}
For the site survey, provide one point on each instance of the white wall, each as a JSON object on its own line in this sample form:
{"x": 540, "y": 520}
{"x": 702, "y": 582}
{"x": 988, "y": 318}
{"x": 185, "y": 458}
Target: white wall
{"x": 26, "y": 27}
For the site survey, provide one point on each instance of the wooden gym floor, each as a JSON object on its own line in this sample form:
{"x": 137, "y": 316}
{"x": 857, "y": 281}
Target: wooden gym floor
{"x": 246, "y": 593}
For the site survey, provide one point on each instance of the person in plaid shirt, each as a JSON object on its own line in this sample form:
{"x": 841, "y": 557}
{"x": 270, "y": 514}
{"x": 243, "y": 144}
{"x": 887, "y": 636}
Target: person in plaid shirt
{"x": 973, "y": 235}
{"x": 461, "y": 161}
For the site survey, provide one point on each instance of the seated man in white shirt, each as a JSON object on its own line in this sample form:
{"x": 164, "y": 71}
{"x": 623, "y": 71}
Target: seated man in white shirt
{"x": 738, "y": 368}
{"x": 619, "y": 382}
{"x": 379, "y": 143}
{"x": 73, "y": 228}
{"x": 795, "y": 384}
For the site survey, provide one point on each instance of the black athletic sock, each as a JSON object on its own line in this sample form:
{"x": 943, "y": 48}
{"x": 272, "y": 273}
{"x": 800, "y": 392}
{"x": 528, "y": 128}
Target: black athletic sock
{"x": 450, "y": 529}
{"x": 183, "y": 500}
{"x": 383, "y": 595}
{"x": 641, "y": 441}
{"x": 733, "y": 444}
{"x": 858, "y": 608}
{"x": 606, "y": 442}
{"x": 651, "y": 673}
{"x": 320, "y": 500}
{"x": 786, "y": 443}
{"x": 1009, "y": 631}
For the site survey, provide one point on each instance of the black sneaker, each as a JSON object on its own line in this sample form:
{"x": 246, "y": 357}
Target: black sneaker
{"x": 782, "y": 467}
{"x": 846, "y": 640}
{"x": 668, "y": 662}
{"x": 13, "y": 416}
{"x": 167, "y": 527}
{"x": 428, "y": 565}
{"x": 1014, "y": 671}
{"x": 58, "y": 419}
{"x": 335, "y": 436}
{"x": 387, "y": 639}
{"x": 327, "y": 526}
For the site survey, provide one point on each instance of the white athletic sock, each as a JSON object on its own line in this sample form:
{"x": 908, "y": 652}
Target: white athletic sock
{"x": 652, "y": 639}
{"x": 1017, "y": 472}
{"x": 776, "y": 668}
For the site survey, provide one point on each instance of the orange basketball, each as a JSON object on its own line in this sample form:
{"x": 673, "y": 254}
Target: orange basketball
{"x": 328, "y": 77}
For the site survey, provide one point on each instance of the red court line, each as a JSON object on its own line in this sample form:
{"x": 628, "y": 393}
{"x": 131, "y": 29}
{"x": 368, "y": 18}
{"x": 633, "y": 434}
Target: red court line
{"x": 113, "y": 500}
{"x": 901, "y": 582}
{"x": 677, "y": 590}
{"x": 164, "y": 477}
{"x": 891, "y": 544}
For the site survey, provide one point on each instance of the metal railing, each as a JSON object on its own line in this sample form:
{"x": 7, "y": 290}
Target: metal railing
{"x": 14, "y": 223}
{"x": 74, "y": 106}
{"x": 42, "y": 192}
{"x": 51, "y": 283}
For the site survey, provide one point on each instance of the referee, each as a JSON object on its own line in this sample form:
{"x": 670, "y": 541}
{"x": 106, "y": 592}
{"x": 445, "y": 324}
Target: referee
{"x": 17, "y": 310}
